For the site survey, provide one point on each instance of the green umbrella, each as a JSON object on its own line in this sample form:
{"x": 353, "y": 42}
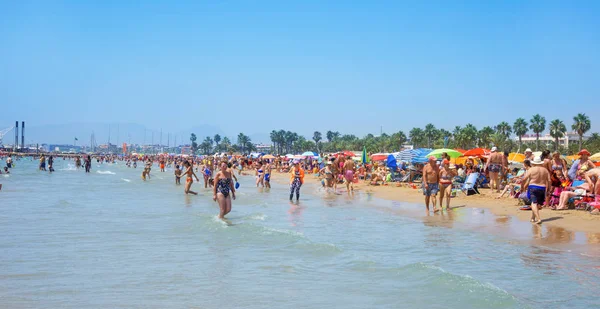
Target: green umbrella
{"x": 451, "y": 152}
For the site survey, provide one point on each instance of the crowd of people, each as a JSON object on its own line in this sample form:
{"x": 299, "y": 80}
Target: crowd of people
{"x": 542, "y": 181}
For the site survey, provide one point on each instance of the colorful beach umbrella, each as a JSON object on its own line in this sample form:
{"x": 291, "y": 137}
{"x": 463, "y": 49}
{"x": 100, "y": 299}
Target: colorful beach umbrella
{"x": 516, "y": 157}
{"x": 379, "y": 156}
{"x": 365, "y": 158}
{"x": 477, "y": 152}
{"x": 268, "y": 157}
{"x": 348, "y": 153}
{"x": 309, "y": 154}
{"x": 595, "y": 157}
{"x": 460, "y": 150}
{"x": 451, "y": 152}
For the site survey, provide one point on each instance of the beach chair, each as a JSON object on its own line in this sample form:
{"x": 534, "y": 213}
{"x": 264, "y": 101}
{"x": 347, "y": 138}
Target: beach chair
{"x": 469, "y": 187}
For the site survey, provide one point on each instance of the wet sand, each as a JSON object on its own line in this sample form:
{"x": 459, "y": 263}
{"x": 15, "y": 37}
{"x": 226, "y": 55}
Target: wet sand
{"x": 571, "y": 220}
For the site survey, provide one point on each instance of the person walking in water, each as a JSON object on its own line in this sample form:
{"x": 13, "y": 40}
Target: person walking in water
{"x": 223, "y": 187}
{"x": 88, "y": 163}
{"x": 537, "y": 184}
{"x": 51, "y": 164}
{"x": 42, "y": 163}
{"x": 189, "y": 172}
{"x": 431, "y": 187}
{"x": 296, "y": 180}
{"x": 349, "y": 170}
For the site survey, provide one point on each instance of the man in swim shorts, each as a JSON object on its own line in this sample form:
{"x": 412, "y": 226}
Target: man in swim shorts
{"x": 349, "y": 170}
{"x": 431, "y": 180}
{"x": 495, "y": 166}
{"x": 537, "y": 181}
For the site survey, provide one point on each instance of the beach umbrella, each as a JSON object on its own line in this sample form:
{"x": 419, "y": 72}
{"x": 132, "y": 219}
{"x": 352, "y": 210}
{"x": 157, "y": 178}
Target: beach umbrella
{"x": 309, "y": 154}
{"x": 348, "y": 153}
{"x": 477, "y": 152}
{"x": 268, "y": 157}
{"x": 451, "y": 152}
{"x": 379, "y": 156}
{"x": 289, "y": 156}
{"x": 595, "y": 157}
{"x": 365, "y": 158}
{"x": 407, "y": 155}
{"x": 460, "y": 150}
{"x": 516, "y": 157}
{"x": 391, "y": 162}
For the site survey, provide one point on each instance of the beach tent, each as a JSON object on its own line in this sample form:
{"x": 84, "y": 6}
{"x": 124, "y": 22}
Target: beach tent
{"x": 451, "y": 152}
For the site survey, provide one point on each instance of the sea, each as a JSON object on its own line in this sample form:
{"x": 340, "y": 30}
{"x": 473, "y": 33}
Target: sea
{"x": 107, "y": 239}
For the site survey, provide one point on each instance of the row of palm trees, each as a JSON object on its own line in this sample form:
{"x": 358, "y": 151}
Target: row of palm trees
{"x": 461, "y": 137}
{"x": 217, "y": 144}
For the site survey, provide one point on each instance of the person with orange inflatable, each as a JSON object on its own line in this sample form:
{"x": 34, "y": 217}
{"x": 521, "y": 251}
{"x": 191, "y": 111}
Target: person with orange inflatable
{"x": 296, "y": 180}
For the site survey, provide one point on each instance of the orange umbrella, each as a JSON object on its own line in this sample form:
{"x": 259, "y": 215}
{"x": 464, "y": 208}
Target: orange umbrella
{"x": 516, "y": 157}
{"x": 477, "y": 152}
{"x": 460, "y": 150}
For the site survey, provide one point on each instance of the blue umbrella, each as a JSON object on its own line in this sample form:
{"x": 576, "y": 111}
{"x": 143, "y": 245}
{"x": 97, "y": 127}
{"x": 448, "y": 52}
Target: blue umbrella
{"x": 391, "y": 162}
{"x": 310, "y": 154}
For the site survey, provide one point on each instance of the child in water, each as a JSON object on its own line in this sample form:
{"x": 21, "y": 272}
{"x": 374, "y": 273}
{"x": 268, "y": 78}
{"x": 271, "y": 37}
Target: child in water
{"x": 177, "y": 175}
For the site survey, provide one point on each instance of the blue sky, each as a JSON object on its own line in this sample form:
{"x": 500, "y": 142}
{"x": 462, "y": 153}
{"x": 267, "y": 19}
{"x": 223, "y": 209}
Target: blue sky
{"x": 254, "y": 66}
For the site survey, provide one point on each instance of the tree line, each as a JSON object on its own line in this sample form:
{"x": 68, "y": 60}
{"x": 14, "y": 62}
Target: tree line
{"x": 467, "y": 137}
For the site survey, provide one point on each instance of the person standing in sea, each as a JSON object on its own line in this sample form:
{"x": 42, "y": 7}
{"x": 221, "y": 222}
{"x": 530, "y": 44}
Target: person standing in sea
{"x": 88, "y": 163}
{"x": 537, "y": 183}
{"x": 189, "y": 172}
{"x": 431, "y": 187}
{"x": 222, "y": 190}
{"x": 296, "y": 180}
{"x": 9, "y": 162}
{"x": 349, "y": 170}
{"x": 51, "y": 164}
{"x": 43, "y": 163}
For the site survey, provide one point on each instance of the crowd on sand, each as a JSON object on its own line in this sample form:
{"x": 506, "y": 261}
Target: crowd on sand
{"x": 543, "y": 181}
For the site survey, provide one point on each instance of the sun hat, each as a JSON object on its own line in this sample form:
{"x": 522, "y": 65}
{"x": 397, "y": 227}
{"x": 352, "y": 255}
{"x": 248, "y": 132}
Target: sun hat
{"x": 584, "y": 152}
{"x": 452, "y": 166}
{"x": 537, "y": 160}
{"x": 494, "y": 149}
{"x": 528, "y": 150}
{"x": 296, "y": 161}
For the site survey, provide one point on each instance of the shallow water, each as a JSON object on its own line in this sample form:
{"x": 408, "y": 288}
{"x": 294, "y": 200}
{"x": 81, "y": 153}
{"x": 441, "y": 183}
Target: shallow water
{"x": 108, "y": 239}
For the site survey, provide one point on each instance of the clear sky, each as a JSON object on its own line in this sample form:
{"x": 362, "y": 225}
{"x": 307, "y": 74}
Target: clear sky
{"x": 255, "y": 66}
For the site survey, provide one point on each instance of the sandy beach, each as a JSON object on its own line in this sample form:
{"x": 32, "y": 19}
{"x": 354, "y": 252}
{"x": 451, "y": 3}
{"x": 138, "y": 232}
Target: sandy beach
{"x": 573, "y": 220}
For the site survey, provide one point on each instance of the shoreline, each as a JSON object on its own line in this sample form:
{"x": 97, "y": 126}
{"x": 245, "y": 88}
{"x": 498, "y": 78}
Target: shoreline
{"x": 572, "y": 220}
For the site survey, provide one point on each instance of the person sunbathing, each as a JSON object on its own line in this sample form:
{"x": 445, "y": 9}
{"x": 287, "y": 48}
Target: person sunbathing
{"x": 569, "y": 193}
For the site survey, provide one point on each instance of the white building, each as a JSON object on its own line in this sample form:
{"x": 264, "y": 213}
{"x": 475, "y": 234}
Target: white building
{"x": 570, "y": 137}
{"x": 263, "y": 148}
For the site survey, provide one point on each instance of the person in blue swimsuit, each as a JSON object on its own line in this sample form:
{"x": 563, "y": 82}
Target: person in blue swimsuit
{"x": 260, "y": 175}
{"x": 224, "y": 191}
{"x": 207, "y": 173}
{"x": 267, "y": 168}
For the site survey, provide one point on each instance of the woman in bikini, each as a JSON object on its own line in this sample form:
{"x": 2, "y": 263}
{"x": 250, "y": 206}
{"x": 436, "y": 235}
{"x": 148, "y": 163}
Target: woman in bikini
{"x": 296, "y": 180}
{"x": 585, "y": 164}
{"x": 446, "y": 175}
{"x": 267, "y": 178}
{"x": 189, "y": 172}
{"x": 223, "y": 187}
{"x": 260, "y": 178}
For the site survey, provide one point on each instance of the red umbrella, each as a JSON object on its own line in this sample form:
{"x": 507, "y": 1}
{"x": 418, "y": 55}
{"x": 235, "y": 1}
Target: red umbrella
{"x": 460, "y": 150}
{"x": 477, "y": 152}
{"x": 348, "y": 153}
{"x": 379, "y": 157}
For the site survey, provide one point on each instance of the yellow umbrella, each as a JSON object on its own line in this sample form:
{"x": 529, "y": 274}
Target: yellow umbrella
{"x": 268, "y": 157}
{"x": 516, "y": 157}
{"x": 595, "y": 157}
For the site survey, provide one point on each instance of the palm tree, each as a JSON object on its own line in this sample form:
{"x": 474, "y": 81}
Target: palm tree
{"x": 397, "y": 140}
{"x": 538, "y": 125}
{"x": 520, "y": 129}
{"x": 557, "y": 130}
{"x": 581, "y": 124}
{"x": 194, "y": 144}
{"x": 485, "y": 136}
{"x": 430, "y": 133}
{"x": 469, "y": 134}
{"x": 317, "y": 137}
{"x": 217, "y": 140}
{"x": 226, "y": 144}
{"x": 504, "y": 128}
{"x": 498, "y": 139}
{"x": 416, "y": 136}
{"x": 243, "y": 142}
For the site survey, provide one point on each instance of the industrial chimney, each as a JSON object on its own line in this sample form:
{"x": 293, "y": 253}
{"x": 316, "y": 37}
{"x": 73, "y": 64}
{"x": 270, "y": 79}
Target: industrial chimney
{"x": 22, "y": 135}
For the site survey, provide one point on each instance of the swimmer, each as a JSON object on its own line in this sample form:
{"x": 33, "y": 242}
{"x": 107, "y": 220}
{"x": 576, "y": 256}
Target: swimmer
{"x": 189, "y": 172}
{"x": 223, "y": 188}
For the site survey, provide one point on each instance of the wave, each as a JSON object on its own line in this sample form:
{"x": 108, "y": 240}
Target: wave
{"x": 106, "y": 172}
{"x": 70, "y": 167}
{"x": 126, "y": 180}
